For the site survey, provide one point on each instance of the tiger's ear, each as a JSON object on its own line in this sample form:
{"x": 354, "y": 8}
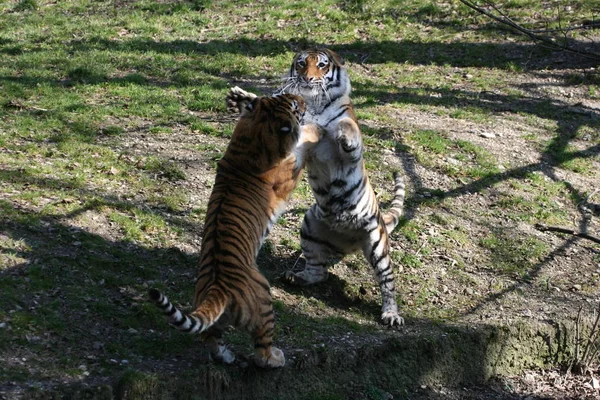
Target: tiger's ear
{"x": 335, "y": 57}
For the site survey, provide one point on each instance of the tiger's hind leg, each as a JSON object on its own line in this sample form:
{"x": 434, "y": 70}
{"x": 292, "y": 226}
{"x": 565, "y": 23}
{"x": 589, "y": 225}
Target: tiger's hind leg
{"x": 317, "y": 249}
{"x": 213, "y": 338}
{"x": 259, "y": 321}
{"x": 237, "y": 99}
{"x": 376, "y": 250}
{"x": 265, "y": 354}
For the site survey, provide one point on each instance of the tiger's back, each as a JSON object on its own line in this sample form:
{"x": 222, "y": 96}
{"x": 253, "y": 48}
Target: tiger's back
{"x": 254, "y": 180}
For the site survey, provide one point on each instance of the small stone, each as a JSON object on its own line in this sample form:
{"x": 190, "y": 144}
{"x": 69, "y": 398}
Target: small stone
{"x": 469, "y": 291}
{"x": 132, "y": 331}
{"x": 124, "y": 362}
{"x": 487, "y": 135}
{"x": 577, "y": 287}
{"x": 2, "y": 325}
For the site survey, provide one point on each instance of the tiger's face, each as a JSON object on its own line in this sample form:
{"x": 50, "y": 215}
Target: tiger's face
{"x": 318, "y": 75}
{"x": 268, "y": 129}
{"x": 315, "y": 68}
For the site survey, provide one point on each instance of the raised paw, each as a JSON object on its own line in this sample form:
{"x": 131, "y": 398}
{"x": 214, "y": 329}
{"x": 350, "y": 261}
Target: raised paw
{"x": 348, "y": 135}
{"x": 275, "y": 360}
{"x": 237, "y": 98}
{"x": 392, "y": 319}
{"x": 348, "y": 144}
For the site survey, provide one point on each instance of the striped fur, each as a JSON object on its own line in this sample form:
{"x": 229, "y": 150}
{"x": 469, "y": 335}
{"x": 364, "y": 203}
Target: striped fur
{"x": 254, "y": 180}
{"x": 346, "y": 216}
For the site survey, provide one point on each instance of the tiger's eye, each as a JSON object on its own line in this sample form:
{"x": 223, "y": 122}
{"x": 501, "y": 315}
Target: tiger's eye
{"x": 322, "y": 64}
{"x": 300, "y": 64}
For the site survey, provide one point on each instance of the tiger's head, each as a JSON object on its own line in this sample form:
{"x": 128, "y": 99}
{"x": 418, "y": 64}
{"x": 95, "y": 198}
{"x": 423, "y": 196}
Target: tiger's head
{"x": 318, "y": 75}
{"x": 267, "y": 131}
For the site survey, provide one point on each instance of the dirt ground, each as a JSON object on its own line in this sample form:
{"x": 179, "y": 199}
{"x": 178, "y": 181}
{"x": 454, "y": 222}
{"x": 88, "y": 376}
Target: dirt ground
{"x": 565, "y": 278}
{"x": 570, "y": 271}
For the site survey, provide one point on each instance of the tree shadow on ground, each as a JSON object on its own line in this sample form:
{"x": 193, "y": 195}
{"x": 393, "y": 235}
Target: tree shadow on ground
{"x": 556, "y": 154}
{"x": 455, "y": 54}
{"x": 73, "y": 297}
{"x": 76, "y": 313}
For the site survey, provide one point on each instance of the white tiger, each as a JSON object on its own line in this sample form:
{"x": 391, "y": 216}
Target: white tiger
{"x": 346, "y": 216}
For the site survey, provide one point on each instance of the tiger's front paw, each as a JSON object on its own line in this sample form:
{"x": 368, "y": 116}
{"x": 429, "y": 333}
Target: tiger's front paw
{"x": 392, "y": 319}
{"x": 237, "y": 99}
{"x": 348, "y": 136}
{"x": 348, "y": 144}
{"x": 275, "y": 359}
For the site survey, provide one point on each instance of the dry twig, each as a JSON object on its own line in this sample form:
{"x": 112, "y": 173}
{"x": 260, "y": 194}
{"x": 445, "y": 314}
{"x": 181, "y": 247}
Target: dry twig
{"x": 545, "y": 228}
{"x": 503, "y": 18}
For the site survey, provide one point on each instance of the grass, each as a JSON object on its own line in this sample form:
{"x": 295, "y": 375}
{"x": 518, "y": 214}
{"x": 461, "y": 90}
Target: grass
{"x": 112, "y": 118}
{"x": 510, "y": 256}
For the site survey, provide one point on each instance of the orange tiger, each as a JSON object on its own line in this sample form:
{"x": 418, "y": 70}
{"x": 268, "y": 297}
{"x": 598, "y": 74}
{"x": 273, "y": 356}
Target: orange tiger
{"x": 254, "y": 180}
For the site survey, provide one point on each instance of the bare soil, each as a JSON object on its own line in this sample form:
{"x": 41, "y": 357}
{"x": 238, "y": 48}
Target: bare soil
{"x": 566, "y": 278}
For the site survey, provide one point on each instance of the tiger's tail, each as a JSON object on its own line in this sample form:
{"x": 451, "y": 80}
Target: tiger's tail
{"x": 392, "y": 216}
{"x": 196, "y": 322}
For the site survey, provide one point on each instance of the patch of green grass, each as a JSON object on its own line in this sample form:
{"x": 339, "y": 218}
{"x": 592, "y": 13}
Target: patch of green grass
{"x": 410, "y": 231}
{"x": 453, "y": 157}
{"x": 293, "y": 244}
{"x": 513, "y": 255}
{"x": 163, "y": 168}
{"x": 431, "y": 141}
{"x": 26, "y": 5}
{"x": 406, "y": 260}
{"x": 138, "y": 225}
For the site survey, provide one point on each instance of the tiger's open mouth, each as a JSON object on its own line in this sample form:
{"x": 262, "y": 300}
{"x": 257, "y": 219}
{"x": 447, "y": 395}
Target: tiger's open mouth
{"x": 311, "y": 85}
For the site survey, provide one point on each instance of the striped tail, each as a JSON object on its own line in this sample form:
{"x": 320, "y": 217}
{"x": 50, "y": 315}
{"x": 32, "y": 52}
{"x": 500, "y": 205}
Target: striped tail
{"x": 183, "y": 322}
{"x": 392, "y": 216}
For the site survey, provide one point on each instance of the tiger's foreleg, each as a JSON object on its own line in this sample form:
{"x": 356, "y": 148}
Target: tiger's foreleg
{"x": 348, "y": 136}
{"x": 309, "y": 137}
{"x": 376, "y": 251}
